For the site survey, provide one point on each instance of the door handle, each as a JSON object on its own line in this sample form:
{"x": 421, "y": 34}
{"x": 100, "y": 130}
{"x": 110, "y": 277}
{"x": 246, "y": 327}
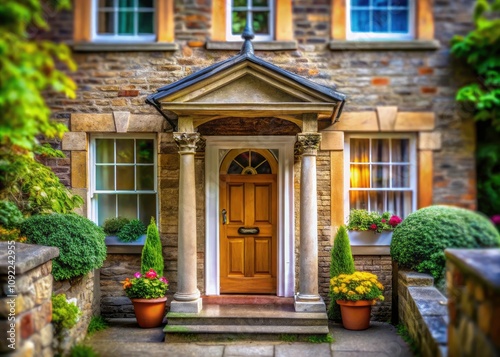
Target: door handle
{"x": 224, "y": 216}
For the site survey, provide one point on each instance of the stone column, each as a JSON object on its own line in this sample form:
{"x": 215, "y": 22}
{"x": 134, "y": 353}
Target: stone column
{"x": 308, "y": 299}
{"x": 187, "y": 298}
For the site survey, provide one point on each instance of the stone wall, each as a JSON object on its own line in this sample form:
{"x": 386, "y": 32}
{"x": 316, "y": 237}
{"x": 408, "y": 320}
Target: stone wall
{"x": 473, "y": 280}
{"x": 84, "y": 290}
{"x": 25, "y": 299}
{"x": 422, "y": 310}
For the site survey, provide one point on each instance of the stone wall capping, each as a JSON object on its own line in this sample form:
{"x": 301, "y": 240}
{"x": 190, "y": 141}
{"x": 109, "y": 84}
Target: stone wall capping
{"x": 28, "y": 256}
{"x": 258, "y": 45}
{"x": 121, "y": 47}
{"x": 412, "y": 278}
{"x": 484, "y": 264}
{"x": 74, "y": 141}
{"x": 411, "y": 45}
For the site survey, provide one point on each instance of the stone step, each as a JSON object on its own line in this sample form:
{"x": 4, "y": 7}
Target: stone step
{"x": 250, "y": 329}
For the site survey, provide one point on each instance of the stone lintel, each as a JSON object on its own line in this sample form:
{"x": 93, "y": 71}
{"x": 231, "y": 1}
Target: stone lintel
{"x": 105, "y": 123}
{"x": 121, "y": 121}
{"x": 429, "y": 141}
{"x": 309, "y": 306}
{"x": 387, "y": 118}
{"x": 27, "y": 256}
{"x": 332, "y": 141}
{"x": 193, "y": 307}
{"x": 74, "y": 141}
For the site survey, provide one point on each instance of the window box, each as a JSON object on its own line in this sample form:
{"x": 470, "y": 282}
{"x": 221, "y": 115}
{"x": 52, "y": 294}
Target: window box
{"x": 370, "y": 238}
{"x": 115, "y": 246}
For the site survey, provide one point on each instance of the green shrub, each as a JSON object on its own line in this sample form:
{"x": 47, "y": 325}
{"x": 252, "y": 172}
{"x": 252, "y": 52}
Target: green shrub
{"x": 79, "y": 350}
{"x": 114, "y": 225}
{"x": 418, "y": 243}
{"x": 97, "y": 323}
{"x": 131, "y": 231}
{"x": 64, "y": 314}
{"x": 80, "y": 242}
{"x": 152, "y": 255}
{"x": 342, "y": 262}
{"x": 10, "y": 216}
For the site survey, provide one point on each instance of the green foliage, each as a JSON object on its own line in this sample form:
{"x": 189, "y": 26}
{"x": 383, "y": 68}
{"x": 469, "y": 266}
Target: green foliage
{"x": 152, "y": 255}
{"x": 286, "y": 337}
{"x": 113, "y": 225}
{"x": 131, "y": 231}
{"x": 405, "y": 335}
{"x": 10, "y": 215}
{"x": 80, "y": 350}
{"x": 419, "y": 242}
{"x": 480, "y": 48}
{"x": 147, "y": 286}
{"x": 362, "y": 220}
{"x": 64, "y": 314}
{"x": 28, "y": 68}
{"x": 80, "y": 242}
{"x": 97, "y": 323}
{"x": 32, "y": 186}
{"x": 320, "y": 339}
{"x": 342, "y": 262}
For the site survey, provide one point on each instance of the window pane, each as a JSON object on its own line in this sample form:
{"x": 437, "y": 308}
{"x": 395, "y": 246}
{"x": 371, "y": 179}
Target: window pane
{"x": 145, "y": 151}
{"x": 380, "y": 176}
{"x": 360, "y": 2}
{"x": 360, "y": 150}
{"x": 399, "y": 21}
{"x": 106, "y": 22}
{"x": 234, "y": 169}
{"x": 127, "y": 206}
{"x": 358, "y": 200}
{"x": 378, "y": 201}
{"x": 380, "y": 3}
{"x": 125, "y": 178}
{"x": 145, "y": 3}
{"x": 105, "y": 3}
{"x": 401, "y": 176}
{"x": 145, "y": 178}
{"x": 238, "y": 3}
{"x": 400, "y": 150}
{"x": 145, "y": 23}
{"x": 125, "y": 150}
{"x": 147, "y": 208}
{"x": 239, "y": 20}
{"x": 265, "y": 168}
{"x": 261, "y": 22}
{"x": 242, "y": 159}
{"x": 260, "y": 3}
{"x": 125, "y": 3}
{"x": 360, "y": 176}
{"x": 104, "y": 150}
{"x": 126, "y": 23}
{"x": 360, "y": 20}
{"x": 106, "y": 207}
{"x": 380, "y": 150}
{"x": 105, "y": 177}
{"x": 399, "y": 3}
{"x": 380, "y": 21}
{"x": 400, "y": 203}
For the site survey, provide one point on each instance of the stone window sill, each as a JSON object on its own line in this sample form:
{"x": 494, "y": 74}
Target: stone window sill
{"x": 116, "y": 247}
{"x": 120, "y": 47}
{"x": 412, "y": 45}
{"x": 257, "y": 45}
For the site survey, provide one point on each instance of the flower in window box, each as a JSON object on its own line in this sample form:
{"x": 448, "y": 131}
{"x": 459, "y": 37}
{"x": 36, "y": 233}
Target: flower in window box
{"x": 363, "y": 220}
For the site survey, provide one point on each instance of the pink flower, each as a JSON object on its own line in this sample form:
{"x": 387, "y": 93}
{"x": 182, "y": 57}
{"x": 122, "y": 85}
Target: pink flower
{"x": 395, "y": 220}
{"x": 496, "y": 219}
{"x": 163, "y": 280}
{"x": 151, "y": 274}
{"x": 373, "y": 227}
{"x": 137, "y": 275}
{"x": 383, "y": 220}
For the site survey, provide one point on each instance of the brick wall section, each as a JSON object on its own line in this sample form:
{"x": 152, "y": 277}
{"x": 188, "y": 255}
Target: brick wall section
{"x": 474, "y": 302}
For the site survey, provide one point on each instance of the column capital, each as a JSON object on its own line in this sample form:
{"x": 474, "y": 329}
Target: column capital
{"x": 186, "y": 142}
{"x": 308, "y": 143}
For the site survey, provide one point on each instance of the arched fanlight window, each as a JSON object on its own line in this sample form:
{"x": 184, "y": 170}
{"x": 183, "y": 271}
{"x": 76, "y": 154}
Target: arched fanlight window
{"x": 249, "y": 162}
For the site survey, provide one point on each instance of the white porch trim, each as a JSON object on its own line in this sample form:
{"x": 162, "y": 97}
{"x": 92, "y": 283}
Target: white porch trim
{"x": 286, "y": 221}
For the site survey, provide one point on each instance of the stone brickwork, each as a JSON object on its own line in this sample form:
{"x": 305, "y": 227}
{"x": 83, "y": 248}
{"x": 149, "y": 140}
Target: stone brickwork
{"x": 25, "y": 305}
{"x": 422, "y": 310}
{"x": 473, "y": 280}
{"x": 84, "y": 290}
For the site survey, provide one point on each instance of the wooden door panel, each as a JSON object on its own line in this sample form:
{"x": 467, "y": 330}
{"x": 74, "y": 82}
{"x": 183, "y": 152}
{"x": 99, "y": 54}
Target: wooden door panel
{"x": 236, "y": 256}
{"x": 262, "y": 248}
{"x": 263, "y": 208}
{"x": 236, "y": 202}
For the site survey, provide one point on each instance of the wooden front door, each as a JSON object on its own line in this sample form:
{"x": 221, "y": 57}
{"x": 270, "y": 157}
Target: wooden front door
{"x": 248, "y": 225}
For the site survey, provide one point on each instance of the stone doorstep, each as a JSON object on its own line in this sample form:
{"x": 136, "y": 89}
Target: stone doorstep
{"x": 236, "y": 329}
{"x": 246, "y": 300}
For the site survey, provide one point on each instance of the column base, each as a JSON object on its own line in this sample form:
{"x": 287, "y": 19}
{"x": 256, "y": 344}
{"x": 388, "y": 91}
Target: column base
{"x": 193, "y": 306}
{"x": 308, "y": 305}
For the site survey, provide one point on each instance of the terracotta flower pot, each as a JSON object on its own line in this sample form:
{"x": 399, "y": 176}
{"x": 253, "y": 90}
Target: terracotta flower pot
{"x": 149, "y": 312}
{"x": 355, "y": 314}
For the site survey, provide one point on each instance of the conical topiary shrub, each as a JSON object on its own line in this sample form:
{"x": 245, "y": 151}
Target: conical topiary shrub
{"x": 342, "y": 262}
{"x": 152, "y": 256}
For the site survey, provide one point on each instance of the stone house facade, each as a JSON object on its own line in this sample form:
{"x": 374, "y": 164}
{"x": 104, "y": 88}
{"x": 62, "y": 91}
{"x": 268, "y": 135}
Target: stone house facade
{"x": 249, "y": 165}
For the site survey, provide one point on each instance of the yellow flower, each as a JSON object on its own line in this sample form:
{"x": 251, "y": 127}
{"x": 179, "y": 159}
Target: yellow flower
{"x": 350, "y": 293}
{"x": 126, "y": 283}
{"x": 336, "y": 290}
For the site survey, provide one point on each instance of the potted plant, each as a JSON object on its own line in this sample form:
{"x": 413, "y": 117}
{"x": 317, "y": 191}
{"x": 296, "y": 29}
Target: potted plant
{"x": 147, "y": 292}
{"x": 371, "y": 228}
{"x": 356, "y": 293}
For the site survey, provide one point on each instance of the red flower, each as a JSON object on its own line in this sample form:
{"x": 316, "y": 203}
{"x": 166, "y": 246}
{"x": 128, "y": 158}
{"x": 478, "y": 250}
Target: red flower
{"x": 151, "y": 274}
{"x": 395, "y": 220}
{"x": 383, "y": 220}
{"x": 373, "y": 227}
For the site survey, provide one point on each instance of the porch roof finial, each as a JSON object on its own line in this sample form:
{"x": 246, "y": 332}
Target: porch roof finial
{"x": 248, "y": 36}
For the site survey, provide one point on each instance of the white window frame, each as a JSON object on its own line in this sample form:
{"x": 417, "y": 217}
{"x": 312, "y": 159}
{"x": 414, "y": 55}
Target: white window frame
{"x": 96, "y": 37}
{"x": 375, "y": 36}
{"x": 92, "y": 170}
{"x": 229, "y": 23}
{"x": 413, "y": 166}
